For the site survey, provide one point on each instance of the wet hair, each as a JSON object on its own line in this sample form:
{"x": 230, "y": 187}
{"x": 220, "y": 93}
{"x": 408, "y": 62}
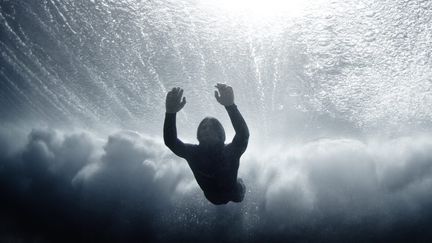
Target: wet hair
{"x": 215, "y": 126}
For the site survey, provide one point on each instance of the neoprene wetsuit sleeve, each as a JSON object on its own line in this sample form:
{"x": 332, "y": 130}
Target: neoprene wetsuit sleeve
{"x": 241, "y": 138}
{"x": 170, "y": 136}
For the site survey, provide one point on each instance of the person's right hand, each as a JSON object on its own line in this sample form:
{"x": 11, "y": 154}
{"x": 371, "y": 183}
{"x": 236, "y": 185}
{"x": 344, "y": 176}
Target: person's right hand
{"x": 173, "y": 103}
{"x": 226, "y": 96}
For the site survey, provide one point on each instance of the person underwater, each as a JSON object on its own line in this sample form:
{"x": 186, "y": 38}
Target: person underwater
{"x": 214, "y": 164}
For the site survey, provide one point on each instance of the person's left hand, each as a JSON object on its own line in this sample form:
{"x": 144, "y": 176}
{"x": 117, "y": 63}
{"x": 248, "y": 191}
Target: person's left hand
{"x": 173, "y": 103}
{"x": 225, "y": 96}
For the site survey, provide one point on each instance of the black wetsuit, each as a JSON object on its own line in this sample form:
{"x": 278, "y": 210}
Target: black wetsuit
{"x": 215, "y": 169}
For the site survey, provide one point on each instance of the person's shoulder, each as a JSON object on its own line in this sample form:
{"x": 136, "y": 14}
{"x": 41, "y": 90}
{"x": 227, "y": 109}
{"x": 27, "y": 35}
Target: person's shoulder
{"x": 234, "y": 149}
{"x": 228, "y": 147}
{"x": 192, "y": 147}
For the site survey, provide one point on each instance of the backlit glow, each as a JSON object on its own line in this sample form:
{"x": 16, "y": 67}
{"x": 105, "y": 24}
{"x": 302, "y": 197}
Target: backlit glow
{"x": 258, "y": 9}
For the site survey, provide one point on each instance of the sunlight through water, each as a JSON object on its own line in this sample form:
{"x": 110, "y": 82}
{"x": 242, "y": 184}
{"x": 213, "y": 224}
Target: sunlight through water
{"x": 337, "y": 95}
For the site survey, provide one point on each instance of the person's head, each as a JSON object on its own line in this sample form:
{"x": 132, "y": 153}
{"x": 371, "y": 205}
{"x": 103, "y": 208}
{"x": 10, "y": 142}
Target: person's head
{"x": 210, "y": 132}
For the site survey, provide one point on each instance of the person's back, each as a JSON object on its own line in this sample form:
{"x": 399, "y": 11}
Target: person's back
{"x": 213, "y": 163}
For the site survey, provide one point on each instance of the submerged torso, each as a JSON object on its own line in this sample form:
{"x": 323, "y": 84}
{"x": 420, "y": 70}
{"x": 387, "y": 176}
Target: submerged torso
{"x": 214, "y": 170}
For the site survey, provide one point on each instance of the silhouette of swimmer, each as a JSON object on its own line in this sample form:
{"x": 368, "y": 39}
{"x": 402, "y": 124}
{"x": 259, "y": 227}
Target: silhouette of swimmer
{"x": 213, "y": 163}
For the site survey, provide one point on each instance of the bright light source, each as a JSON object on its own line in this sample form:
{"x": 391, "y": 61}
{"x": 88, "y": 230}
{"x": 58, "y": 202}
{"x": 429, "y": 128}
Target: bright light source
{"x": 262, "y": 8}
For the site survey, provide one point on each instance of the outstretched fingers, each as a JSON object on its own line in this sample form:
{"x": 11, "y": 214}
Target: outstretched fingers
{"x": 179, "y": 94}
{"x": 176, "y": 94}
{"x": 217, "y": 96}
{"x": 183, "y": 103}
{"x": 222, "y": 87}
{"x": 219, "y": 87}
{"x": 170, "y": 95}
{"x": 172, "y": 92}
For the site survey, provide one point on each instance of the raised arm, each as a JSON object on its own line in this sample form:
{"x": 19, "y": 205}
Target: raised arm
{"x": 173, "y": 105}
{"x": 241, "y": 138}
{"x": 226, "y": 98}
